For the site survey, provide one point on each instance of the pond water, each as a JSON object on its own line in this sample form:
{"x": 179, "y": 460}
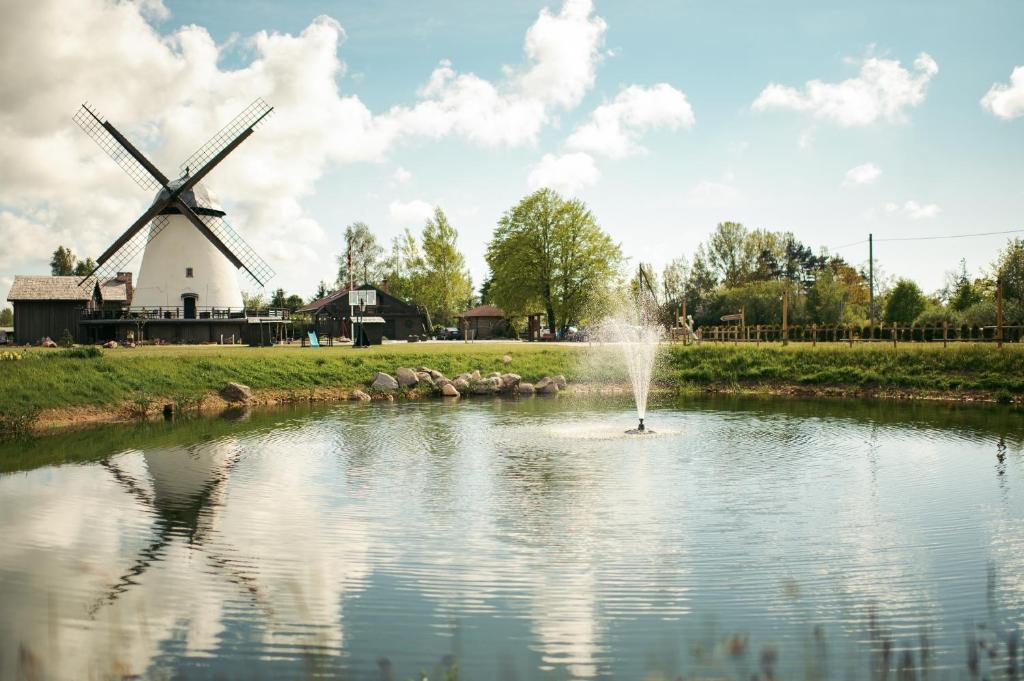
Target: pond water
{"x": 519, "y": 540}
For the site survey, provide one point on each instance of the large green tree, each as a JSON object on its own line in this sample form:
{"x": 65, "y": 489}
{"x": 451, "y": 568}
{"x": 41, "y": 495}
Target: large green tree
{"x": 904, "y": 302}
{"x": 403, "y": 268}
{"x": 7, "y": 317}
{"x": 62, "y": 264}
{"x": 447, "y": 287}
{"x": 549, "y": 254}
{"x": 365, "y": 256}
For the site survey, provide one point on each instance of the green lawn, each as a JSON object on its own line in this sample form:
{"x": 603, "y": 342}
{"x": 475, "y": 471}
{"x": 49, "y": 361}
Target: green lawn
{"x": 47, "y": 379}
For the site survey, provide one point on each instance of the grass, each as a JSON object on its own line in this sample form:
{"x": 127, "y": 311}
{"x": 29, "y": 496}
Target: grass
{"x": 54, "y": 379}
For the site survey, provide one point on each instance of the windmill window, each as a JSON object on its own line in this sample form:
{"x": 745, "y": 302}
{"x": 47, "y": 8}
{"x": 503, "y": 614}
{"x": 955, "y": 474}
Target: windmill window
{"x": 188, "y": 272}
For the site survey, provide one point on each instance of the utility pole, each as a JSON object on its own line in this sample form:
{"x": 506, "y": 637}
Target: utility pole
{"x": 999, "y": 310}
{"x": 785, "y": 317}
{"x": 871, "y": 279}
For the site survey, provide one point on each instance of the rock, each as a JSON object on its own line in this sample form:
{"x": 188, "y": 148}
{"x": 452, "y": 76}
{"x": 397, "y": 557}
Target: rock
{"x": 560, "y": 381}
{"x": 424, "y": 377}
{"x": 236, "y": 392}
{"x": 449, "y": 390}
{"x": 110, "y": 345}
{"x": 442, "y": 382}
{"x": 546, "y": 386}
{"x": 461, "y": 384}
{"x": 436, "y": 375}
{"x": 507, "y": 359}
{"x": 509, "y": 382}
{"x": 420, "y": 370}
{"x": 494, "y": 374}
{"x": 359, "y": 395}
{"x": 48, "y": 343}
{"x": 407, "y": 378}
{"x": 525, "y": 388}
{"x": 475, "y": 376}
{"x": 382, "y": 381}
{"x": 486, "y": 386}
{"x": 465, "y": 376}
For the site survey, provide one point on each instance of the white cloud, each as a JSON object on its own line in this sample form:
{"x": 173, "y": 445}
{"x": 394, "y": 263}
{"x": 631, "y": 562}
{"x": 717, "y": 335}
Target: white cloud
{"x": 882, "y": 91}
{"x": 567, "y": 173}
{"x": 562, "y": 52}
{"x": 913, "y": 210}
{"x": 169, "y": 92}
{"x": 410, "y": 214}
{"x": 401, "y": 175}
{"x": 707, "y": 192}
{"x": 614, "y": 128}
{"x": 1007, "y": 101}
{"x": 865, "y": 173}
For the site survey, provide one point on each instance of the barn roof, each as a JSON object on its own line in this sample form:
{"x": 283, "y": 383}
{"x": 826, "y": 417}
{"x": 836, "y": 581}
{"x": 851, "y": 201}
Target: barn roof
{"x": 31, "y": 287}
{"x": 326, "y": 300}
{"x": 114, "y": 290}
{"x": 484, "y": 311}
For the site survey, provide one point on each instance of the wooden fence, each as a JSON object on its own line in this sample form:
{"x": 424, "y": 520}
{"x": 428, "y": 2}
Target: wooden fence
{"x": 848, "y": 333}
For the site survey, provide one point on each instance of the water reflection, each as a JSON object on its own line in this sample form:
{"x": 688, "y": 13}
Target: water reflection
{"x": 518, "y": 540}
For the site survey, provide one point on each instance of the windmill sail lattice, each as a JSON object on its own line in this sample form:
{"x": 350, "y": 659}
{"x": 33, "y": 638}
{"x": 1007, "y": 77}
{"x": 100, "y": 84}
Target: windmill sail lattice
{"x": 248, "y": 119}
{"x": 89, "y": 121}
{"x": 178, "y": 196}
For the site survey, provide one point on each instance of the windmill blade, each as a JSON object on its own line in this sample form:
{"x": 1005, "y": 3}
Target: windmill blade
{"x": 226, "y": 139}
{"x": 132, "y": 242}
{"x": 214, "y": 239}
{"x": 117, "y": 146}
{"x": 255, "y": 266}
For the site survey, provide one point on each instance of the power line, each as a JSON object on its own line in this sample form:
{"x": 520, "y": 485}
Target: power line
{"x": 946, "y": 236}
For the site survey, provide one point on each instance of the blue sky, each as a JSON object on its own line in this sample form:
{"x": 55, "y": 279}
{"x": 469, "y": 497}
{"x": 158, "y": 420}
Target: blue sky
{"x": 937, "y": 162}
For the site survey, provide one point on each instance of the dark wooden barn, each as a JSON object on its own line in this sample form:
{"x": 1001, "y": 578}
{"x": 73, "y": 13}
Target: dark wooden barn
{"x": 331, "y": 315}
{"x": 45, "y": 307}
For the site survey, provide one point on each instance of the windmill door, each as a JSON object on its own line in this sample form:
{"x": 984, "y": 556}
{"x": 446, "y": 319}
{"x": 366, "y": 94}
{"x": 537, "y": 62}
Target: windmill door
{"x": 190, "y": 307}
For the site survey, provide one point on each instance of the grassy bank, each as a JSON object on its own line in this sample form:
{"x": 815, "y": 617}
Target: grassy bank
{"x": 44, "y": 382}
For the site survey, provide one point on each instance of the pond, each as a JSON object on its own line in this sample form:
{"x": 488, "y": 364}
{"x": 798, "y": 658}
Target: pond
{"x": 519, "y": 540}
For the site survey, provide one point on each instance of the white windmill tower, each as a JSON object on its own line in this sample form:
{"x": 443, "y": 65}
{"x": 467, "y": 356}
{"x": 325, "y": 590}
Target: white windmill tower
{"x": 179, "y": 269}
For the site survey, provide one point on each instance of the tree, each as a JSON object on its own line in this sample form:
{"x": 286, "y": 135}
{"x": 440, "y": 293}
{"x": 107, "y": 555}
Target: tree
{"x": 365, "y": 256}
{"x": 485, "y": 290}
{"x": 447, "y": 287}
{"x": 254, "y": 300}
{"x": 62, "y": 264}
{"x": 674, "y": 278}
{"x": 84, "y": 267}
{"x": 321, "y": 291}
{"x": 549, "y": 253}
{"x": 293, "y": 302}
{"x": 278, "y": 299}
{"x": 1010, "y": 268}
{"x": 961, "y": 291}
{"x": 905, "y": 302}
{"x": 403, "y": 268}
{"x": 828, "y": 298}
{"x": 729, "y": 254}
{"x": 7, "y": 317}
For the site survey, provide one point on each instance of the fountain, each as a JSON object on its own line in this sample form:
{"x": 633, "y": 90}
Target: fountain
{"x": 637, "y": 336}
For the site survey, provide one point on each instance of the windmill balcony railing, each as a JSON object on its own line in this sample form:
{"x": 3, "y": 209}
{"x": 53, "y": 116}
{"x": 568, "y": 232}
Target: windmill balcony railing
{"x": 142, "y": 314}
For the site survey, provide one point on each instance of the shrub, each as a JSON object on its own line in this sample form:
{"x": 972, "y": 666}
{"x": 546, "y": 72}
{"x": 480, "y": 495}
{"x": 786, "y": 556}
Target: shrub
{"x": 66, "y": 339}
{"x": 85, "y": 352}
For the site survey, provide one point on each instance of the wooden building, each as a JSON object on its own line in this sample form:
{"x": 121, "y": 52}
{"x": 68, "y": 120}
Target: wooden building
{"x": 46, "y": 307}
{"x": 484, "y": 321}
{"x": 6, "y": 334}
{"x": 332, "y": 315}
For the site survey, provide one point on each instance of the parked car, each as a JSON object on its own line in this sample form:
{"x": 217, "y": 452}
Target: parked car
{"x": 448, "y": 333}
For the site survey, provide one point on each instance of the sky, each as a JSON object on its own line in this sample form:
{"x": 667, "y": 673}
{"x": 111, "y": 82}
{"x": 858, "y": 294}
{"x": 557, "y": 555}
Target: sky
{"x": 830, "y": 120}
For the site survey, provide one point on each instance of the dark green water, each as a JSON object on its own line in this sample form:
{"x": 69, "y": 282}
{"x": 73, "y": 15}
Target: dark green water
{"x": 519, "y": 540}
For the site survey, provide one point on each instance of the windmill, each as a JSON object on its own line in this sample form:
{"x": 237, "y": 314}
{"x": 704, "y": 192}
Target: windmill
{"x": 178, "y": 268}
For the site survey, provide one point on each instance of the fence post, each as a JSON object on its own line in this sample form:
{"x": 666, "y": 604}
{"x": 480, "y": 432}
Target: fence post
{"x": 999, "y": 311}
{"x": 945, "y": 334}
{"x": 814, "y": 335}
{"x": 849, "y": 334}
{"x": 894, "y": 334}
{"x": 758, "y": 341}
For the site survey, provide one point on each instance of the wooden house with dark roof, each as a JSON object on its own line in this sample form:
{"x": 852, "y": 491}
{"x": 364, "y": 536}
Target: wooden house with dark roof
{"x": 332, "y": 314}
{"x": 44, "y": 306}
{"x": 484, "y": 321}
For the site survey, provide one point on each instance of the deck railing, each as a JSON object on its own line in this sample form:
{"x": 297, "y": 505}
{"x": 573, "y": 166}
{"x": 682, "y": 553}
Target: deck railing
{"x": 142, "y": 314}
